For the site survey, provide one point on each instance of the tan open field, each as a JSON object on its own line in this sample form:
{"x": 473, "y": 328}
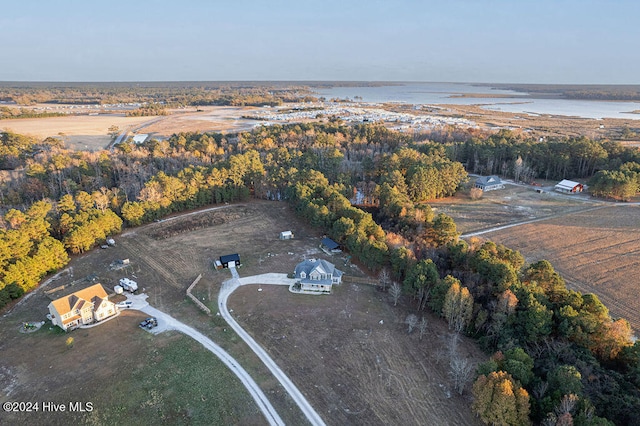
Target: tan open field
{"x": 353, "y": 368}
{"x": 90, "y": 132}
{"x": 81, "y": 132}
{"x": 513, "y": 204}
{"x": 220, "y": 119}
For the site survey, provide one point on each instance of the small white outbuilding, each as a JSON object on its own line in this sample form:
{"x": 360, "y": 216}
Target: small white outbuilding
{"x": 286, "y": 235}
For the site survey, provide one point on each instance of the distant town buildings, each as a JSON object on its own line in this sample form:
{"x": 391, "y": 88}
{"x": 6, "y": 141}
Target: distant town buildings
{"x": 356, "y": 113}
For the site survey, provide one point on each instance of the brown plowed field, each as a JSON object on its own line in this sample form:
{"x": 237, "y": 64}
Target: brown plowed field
{"x": 596, "y": 251}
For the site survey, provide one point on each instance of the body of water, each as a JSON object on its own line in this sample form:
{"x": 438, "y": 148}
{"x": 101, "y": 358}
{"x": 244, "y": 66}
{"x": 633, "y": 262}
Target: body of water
{"x": 449, "y": 93}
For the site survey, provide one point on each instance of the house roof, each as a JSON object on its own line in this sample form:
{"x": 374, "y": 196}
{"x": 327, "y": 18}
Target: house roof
{"x": 230, "y": 258}
{"x": 140, "y": 138}
{"x": 317, "y": 265}
{"x": 329, "y": 243}
{"x": 567, "y": 184}
{"x": 77, "y": 300}
{"x": 489, "y": 180}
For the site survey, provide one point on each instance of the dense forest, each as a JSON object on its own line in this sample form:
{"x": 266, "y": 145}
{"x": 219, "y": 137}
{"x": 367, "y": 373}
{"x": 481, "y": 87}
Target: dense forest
{"x": 556, "y": 356}
{"x": 170, "y": 94}
{"x": 7, "y": 113}
{"x": 611, "y": 168}
{"x": 600, "y": 92}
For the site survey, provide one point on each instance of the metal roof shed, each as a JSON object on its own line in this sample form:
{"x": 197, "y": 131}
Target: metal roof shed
{"x": 228, "y": 258}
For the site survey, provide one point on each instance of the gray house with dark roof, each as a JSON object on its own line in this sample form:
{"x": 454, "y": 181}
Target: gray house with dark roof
{"x": 489, "y": 183}
{"x": 317, "y": 276}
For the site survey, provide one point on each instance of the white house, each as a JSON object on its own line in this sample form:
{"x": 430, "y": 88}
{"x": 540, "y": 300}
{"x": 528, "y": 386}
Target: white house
{"x": 82, "y": 307}
{"x": 317, "y": 276}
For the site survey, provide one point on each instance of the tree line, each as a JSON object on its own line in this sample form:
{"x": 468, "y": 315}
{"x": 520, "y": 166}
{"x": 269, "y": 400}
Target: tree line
{"x": 7, "y": 113}
{"x": 172, "y": 94}
{"x": 558, "y": 355}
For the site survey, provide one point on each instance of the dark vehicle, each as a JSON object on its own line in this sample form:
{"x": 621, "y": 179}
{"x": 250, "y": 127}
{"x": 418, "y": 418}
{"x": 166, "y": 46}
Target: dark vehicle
{"x": 149, "y": 323}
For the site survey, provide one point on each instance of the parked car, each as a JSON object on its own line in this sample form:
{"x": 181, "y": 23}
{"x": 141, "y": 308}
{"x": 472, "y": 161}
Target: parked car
{"x": 149, "y": 323}
{"x": 125, "y": 304}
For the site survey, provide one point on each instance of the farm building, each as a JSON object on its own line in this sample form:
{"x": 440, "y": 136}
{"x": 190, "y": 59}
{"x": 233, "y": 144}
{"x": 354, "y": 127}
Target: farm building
{"x": 328, "y": 245}
{"x": 489, "y": 183}
{"x": 317, "y": 276}
{"x": 286, "y": 235}
{"x": 569, "y": 186}
{"x": 82, "y": 307}
{"x": 230, "y": 260}
{"x": 138, "y": 139}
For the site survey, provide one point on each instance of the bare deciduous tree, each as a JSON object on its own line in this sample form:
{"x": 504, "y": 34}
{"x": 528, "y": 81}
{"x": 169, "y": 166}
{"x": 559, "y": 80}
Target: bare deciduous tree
{"x": 460, "y": 370}
{"x": 395, "y": 291}
{"x": 540, "y": 390}
{"x": 518, "y": 167}
{"x": 384, "y": 278}
{"x": 567, "y": 405}
{"x": 476, "y": 193}
{"x": 411, "y": 321}
{"x": 422, "y": 326}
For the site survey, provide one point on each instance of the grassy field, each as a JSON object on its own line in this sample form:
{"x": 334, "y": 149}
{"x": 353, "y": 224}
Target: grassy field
{"x": 124, "y": 372}
{"x": 353, "y": 368}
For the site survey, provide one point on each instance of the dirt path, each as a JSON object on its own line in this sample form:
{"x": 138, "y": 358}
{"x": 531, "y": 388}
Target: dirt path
{"x": 526, "y": 222}
{"x": 167, "y": 322}
{"x": 271, "y": 279}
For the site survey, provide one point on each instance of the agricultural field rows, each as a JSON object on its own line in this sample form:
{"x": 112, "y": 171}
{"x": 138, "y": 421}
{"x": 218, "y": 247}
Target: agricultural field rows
{"x": 596, "y": 251}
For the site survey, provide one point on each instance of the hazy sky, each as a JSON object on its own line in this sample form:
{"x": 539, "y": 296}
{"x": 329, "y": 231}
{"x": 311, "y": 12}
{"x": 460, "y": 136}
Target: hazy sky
{"x": 520, "y": 41}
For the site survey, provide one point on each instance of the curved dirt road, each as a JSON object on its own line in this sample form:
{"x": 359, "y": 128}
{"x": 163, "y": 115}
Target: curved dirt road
{"x": 269, "y": 279}
{"x": 167, "y": 322}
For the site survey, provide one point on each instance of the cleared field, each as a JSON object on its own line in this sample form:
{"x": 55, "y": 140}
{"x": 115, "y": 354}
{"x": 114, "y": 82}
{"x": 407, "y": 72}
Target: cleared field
{"x": 82, "y": 132}
{"x": 206, "y": 119}
{"x": 352, "y": 368}
{"x": 596, "y": 251}
{"x": 512, "y": 204}
{"x": 350, "y": 355}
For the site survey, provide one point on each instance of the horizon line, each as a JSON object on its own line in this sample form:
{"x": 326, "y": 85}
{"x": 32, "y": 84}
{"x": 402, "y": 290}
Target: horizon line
{"x": 7, "y": 82}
